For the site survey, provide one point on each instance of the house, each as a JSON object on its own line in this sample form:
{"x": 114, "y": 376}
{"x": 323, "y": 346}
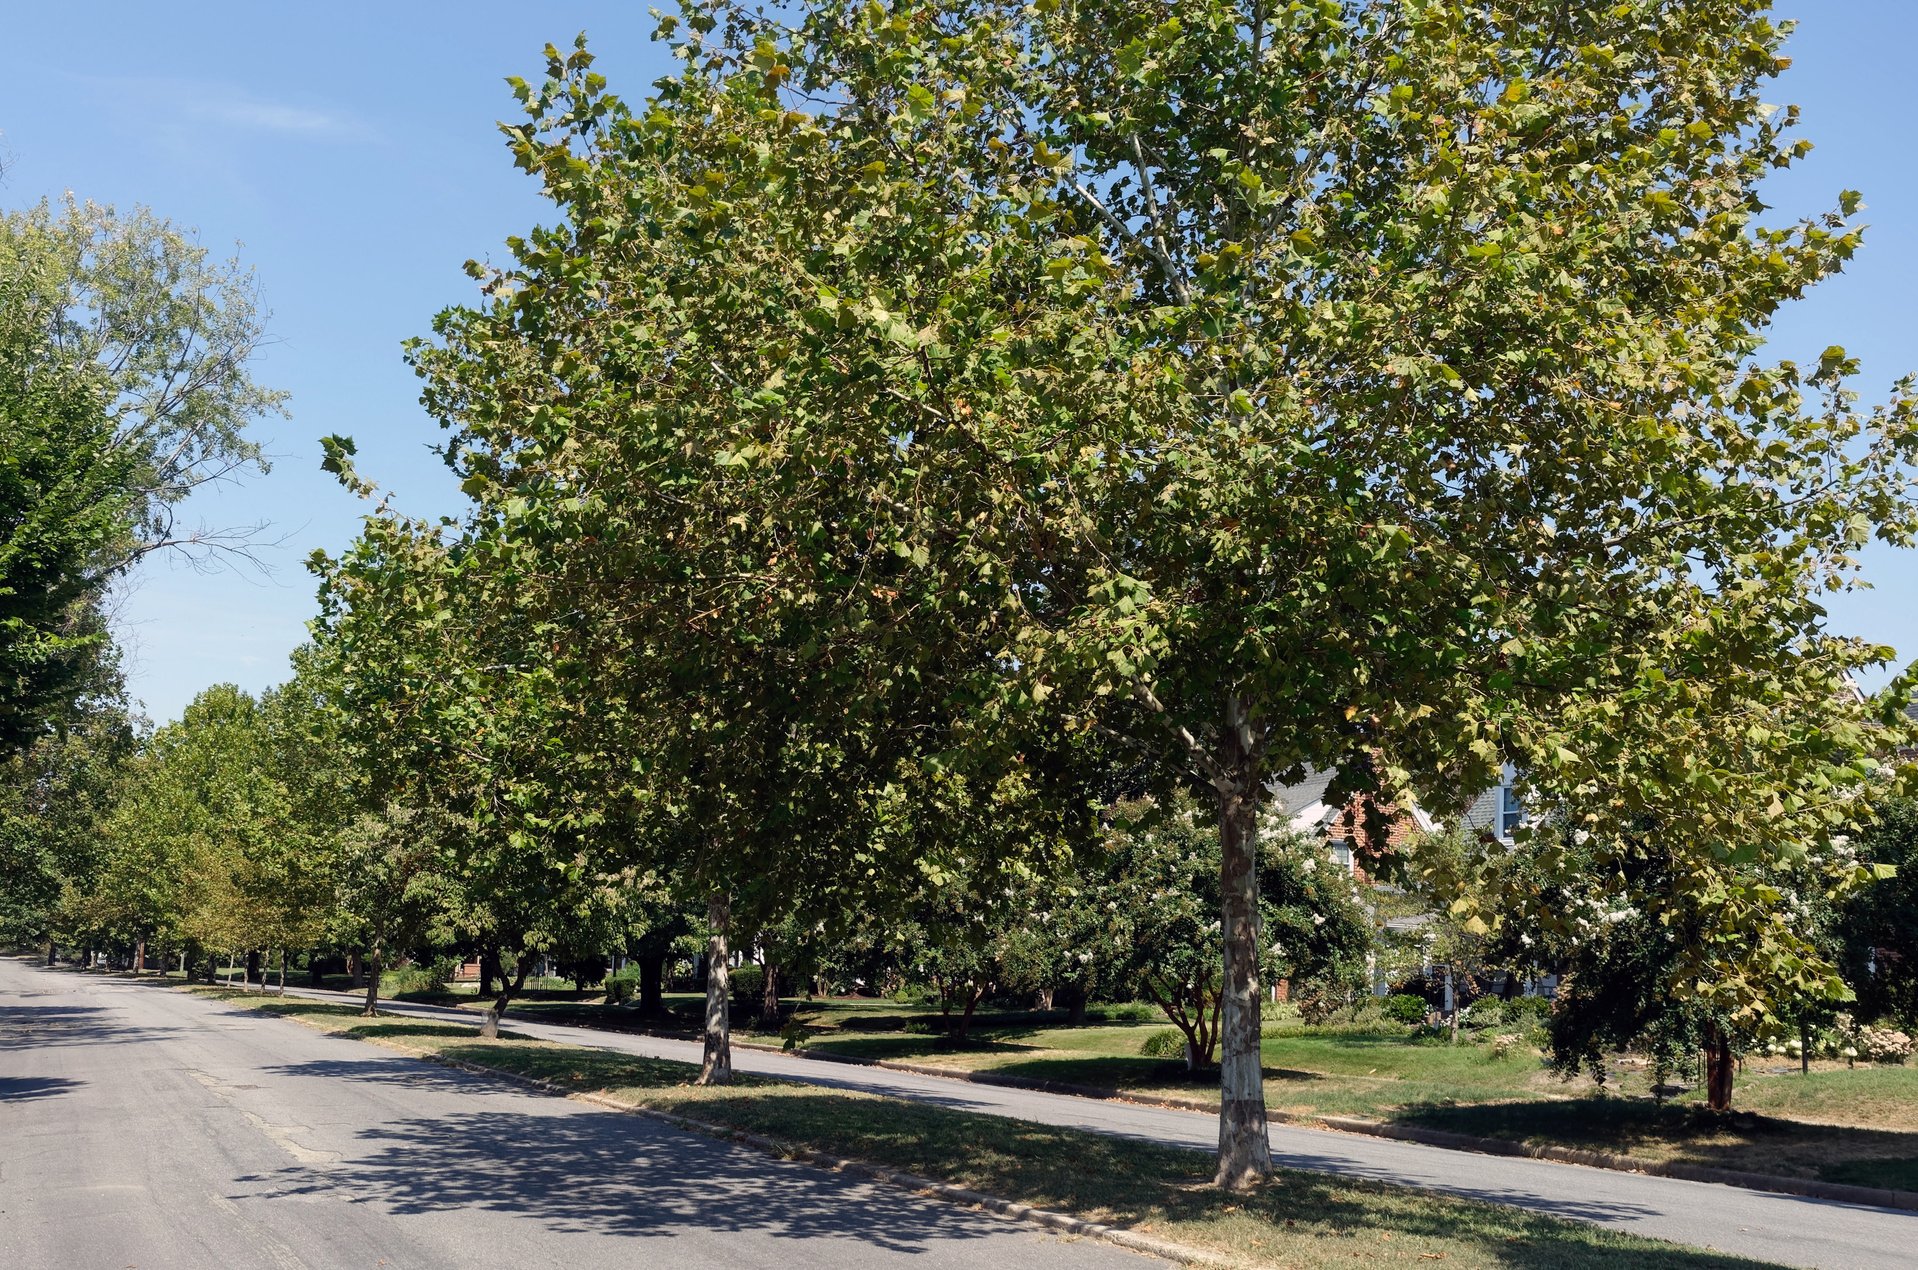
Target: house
{"x": 1304, "y": 806}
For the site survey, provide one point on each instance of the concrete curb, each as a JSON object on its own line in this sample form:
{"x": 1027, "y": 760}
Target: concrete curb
{"x": 1048, "y": 1218}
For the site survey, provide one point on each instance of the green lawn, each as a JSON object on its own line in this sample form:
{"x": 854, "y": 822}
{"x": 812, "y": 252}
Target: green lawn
{"x": 1299, "y": 1219}
{"x": 1836, "y": 1124}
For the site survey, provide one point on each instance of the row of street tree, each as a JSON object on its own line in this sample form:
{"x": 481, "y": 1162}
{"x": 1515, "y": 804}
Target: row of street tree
{"x": 920, "y": 429}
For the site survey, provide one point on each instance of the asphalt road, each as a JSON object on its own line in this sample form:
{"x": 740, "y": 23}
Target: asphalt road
{"x": 1788, "y": 1229}
{"x": 146, "y": 1128}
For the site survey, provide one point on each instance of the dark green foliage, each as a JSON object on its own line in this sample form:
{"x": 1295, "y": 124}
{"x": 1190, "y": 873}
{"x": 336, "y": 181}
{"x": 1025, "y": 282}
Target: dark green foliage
{"x": 748, "y": 981}
{"x": 1878, "y": 925}
{"x": 623, "y": 986}
{"x": 66, "y": 498}
{"x": 1405, "y": 1008}
{"x": 1524, "y": 1011}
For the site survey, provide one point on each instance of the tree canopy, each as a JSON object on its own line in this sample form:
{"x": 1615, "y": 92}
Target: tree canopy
{"x": 1369, "y": 386}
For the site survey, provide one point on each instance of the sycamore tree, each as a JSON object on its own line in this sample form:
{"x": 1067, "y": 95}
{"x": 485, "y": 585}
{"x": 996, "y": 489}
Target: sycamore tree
{"x": 1370, "y": 386}
{"x": 1398, "y": 408}
{"x": 477, "y": 801}
{"x": 735, "y": 581}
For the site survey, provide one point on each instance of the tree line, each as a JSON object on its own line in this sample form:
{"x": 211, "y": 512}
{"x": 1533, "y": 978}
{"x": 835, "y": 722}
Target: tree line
{"x": 920, "y": 430}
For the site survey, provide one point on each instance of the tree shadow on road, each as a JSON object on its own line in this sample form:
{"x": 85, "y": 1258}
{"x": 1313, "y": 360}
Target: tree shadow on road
{"x": 28, "y": 1088}
{"x": 578, "y": 1171}
{"x": 30, "y": 1027}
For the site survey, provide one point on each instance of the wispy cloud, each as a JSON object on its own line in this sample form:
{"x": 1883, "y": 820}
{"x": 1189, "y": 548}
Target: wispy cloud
{"x": 242, "y": 111}
{"x": 186, "y": 101}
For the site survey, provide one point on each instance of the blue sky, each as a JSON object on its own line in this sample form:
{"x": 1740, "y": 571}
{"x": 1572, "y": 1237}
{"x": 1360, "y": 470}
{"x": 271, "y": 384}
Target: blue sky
{"x": 350, "y": 149}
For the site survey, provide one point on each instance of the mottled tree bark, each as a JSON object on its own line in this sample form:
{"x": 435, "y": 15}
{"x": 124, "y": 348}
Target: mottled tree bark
{"x": 716, "y": 1066}
{"x": 1245, "y": 1150}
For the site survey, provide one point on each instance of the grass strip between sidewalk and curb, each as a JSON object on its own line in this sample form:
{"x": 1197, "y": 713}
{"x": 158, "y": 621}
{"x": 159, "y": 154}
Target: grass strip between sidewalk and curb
{"x": 1149, "y": 1197}
{"x": 1617, "y": 1162}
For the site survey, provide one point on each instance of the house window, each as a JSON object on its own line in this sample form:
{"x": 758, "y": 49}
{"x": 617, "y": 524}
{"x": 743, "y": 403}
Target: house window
{"x": 1510, "y": 811}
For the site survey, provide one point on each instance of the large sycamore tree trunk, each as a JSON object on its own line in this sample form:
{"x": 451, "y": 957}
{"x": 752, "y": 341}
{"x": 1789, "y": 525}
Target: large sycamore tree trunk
{"x": 716, "y": 1065}
{"x": 1245, "y": 1150}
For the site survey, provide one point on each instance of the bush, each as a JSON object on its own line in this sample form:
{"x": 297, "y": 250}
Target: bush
{"x": 1525, "y": 1011}
{"x": 416, "y": 978}
{"x": 1125, "y": 1012}
{"x": 1405, "y": 1008}
{"x": 1883, "y": 1045}
{"x": 748, "y": 982}
{"x": 1483, "y": 1014}
{"x": 1165, "y": 1043}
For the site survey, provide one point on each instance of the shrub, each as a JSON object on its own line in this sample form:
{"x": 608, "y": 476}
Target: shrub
{"x": 622, "y": 987}
{"x": 416, "y": 978}
{"x": 748, "y": 982}
{"x": 1525, "y": 1011}
{"x": 1484, "y": 1013}
{"x": 1319, "y": 1007}
{"x": 1125, "y": 1012}
{"x": 1405, "y": 1008}
{"x": 1164, "y": 1043}
{"x": 1883, "y": 1045}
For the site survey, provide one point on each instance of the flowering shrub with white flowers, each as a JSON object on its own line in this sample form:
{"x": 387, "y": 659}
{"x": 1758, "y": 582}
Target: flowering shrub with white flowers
{"x": 1883, "y": 1045}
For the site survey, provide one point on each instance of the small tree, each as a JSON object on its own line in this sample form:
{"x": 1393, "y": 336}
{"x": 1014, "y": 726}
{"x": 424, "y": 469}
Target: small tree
{"x": 1162, "y": 881}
